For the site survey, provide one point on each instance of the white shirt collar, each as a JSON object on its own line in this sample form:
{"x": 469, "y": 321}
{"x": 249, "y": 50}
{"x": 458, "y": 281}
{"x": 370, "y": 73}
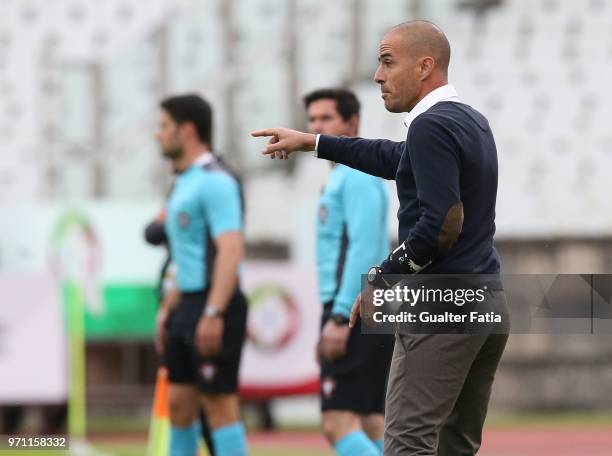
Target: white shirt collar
{"x": 204, "y": 159}
{"x": 444, "y": 93}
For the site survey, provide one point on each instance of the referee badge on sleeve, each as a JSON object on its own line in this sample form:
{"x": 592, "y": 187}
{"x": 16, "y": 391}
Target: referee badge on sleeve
{"x": 323, "y": 213}
{"x": 183, "y": 219}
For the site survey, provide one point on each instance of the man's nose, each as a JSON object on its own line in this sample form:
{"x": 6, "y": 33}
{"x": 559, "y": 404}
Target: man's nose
{"x": 378, "y": 76}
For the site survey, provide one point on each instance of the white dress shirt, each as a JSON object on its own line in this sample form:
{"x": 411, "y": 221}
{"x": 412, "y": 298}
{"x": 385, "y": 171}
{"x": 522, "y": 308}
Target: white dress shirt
{"x": 444, "y": 93}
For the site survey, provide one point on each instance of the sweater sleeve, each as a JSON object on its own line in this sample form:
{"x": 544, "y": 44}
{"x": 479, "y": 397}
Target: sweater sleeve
{"x": 378, "y": 157}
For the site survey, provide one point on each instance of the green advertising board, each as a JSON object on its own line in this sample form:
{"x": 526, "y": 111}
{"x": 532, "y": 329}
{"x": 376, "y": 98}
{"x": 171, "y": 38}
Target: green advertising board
{"x": 129, "y": 313}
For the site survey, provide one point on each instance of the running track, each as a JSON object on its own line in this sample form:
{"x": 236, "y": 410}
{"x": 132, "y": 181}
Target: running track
{"x": 497, "y": 442}
{"x": 514, "y": 441}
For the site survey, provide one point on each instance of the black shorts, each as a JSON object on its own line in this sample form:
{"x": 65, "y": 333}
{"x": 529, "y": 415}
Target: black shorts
{"x": 358, "y": 381}
{"x": 212, "y": 375}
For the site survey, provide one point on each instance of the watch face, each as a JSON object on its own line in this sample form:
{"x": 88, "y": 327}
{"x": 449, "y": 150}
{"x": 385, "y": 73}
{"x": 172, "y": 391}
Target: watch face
{"x": 211, "y": 312}
{"x": 372, "y": 274}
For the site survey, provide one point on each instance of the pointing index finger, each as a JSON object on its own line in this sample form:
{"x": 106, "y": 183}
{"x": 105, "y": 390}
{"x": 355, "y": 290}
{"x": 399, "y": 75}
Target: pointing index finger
{"x": 264, "y": 132}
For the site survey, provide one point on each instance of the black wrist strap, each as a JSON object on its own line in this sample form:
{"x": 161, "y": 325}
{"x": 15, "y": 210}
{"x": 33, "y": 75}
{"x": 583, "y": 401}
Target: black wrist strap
{"x": 402, "y": 261}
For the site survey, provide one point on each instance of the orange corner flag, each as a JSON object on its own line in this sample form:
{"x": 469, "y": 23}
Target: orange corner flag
{"x": 159, "y": 429}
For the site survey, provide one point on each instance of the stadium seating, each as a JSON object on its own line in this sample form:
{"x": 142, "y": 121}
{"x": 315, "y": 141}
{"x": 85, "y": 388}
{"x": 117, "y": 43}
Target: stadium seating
{"x": 538, "y": 69}
{"x": 80, "y": 82}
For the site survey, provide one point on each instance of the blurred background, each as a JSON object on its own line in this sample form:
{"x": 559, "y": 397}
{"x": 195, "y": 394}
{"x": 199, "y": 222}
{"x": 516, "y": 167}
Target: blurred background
{"x": 81, "y": 176}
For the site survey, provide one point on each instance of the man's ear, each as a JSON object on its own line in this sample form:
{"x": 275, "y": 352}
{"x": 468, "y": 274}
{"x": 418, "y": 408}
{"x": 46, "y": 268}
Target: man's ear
{"x": 186, "y": 130}
{"x": 354, "y": 123}
{"x": 426, "y": 66}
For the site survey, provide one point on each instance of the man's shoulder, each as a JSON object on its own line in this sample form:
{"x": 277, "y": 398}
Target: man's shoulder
{"x": 359, "y": 181}
{"x": 215, "y": 181}
{"x": 354, "y": 175}
{"x": 448, "y": 115}
{"x": 447, "y": 119}
{"x": 216, "y": 171}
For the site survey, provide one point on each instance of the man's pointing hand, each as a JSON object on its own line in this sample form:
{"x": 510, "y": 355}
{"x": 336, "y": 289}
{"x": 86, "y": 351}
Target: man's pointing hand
{"x": 283, "y": 141}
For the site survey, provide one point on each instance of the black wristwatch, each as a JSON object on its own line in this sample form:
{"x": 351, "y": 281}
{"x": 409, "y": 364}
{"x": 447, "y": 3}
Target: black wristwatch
{"x": 339, "y": 319}
{"x": 376, "y": 278}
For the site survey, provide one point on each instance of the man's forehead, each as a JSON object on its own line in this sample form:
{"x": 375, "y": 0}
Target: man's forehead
{"x": 323, "y": 104}
{"x": 166, "y": 118}
{"x": 390, "y": 42}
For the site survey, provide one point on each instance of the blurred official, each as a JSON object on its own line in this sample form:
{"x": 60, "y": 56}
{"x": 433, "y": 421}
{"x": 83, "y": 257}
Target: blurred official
{"x": 205, "y": 323}
{"x": 446, "y": 176}
{"x": 155, "y": 234}
{"x": 352, "y": 234}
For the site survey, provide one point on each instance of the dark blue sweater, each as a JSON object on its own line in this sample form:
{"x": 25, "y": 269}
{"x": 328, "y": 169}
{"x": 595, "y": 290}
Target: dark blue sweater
{"x": 446, "y": 177}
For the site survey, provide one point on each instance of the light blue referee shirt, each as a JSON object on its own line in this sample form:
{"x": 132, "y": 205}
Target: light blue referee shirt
{"x": 352, "y": 234}
{"x": 205, "y": 202}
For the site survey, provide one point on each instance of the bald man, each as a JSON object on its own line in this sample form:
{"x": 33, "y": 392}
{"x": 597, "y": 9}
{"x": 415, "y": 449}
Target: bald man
{"x": 446, "y": 177}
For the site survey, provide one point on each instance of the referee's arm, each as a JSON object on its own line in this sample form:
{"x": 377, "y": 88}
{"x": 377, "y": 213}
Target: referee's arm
{"x": 365, "y": 208}
{"x": 221, "y": 202}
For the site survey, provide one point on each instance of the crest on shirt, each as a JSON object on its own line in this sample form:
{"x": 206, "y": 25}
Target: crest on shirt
{"x": 323, "y": 213}
{"x": 328, "y": 385}
{"x": 184, "y": 219}
{"x": 208, "y": 371}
